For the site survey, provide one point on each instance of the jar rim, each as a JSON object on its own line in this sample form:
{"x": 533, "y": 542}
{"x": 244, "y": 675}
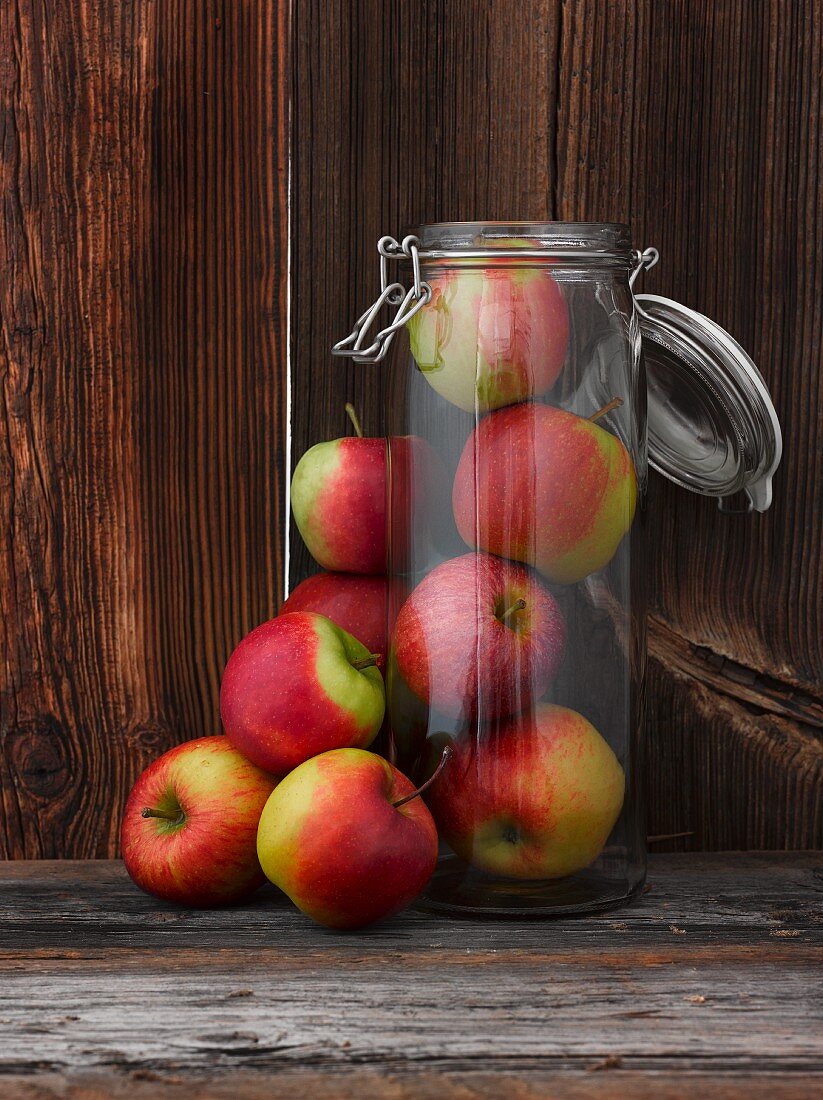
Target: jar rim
{"x": 575, "y": 241}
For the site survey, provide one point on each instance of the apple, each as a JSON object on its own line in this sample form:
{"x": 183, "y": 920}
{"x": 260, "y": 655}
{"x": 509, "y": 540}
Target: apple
{"x": 535, "y": 799}
{"x": 540, "y": 485}
{"x": 347, "y": 839}
{"x": 479, "y": 636}
{"x": 355, "y": 602}
{"x": 338, "y": 498}
{"x": 190, "y": 824}
{"x": 491, "y": 337}
{"x": 297, "y": 686}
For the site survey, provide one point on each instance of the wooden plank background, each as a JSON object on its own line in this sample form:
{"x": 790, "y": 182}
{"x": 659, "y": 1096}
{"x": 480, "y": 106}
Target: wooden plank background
{"x": 142, "y": 237}
{"x": 144, "y": 325}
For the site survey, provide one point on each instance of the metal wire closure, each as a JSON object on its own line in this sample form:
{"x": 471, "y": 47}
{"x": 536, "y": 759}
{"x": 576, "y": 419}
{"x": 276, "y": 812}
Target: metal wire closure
{"x": 642, "y": 261}
{"x": 408, "y": 302}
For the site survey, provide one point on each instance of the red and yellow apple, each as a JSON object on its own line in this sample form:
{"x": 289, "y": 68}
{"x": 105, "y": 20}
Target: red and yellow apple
{"x": 479, "y": 636}
{"x": 335, "y": 841}
{"x": 540, "y": 485}
{"x": 491, "y": 337}
{"x": 189, "y": 828}
{"x": 338, "y": 498}
{"x": 535, "y": 799}
{"x": 297, "y": 686}
{"x": 353, "y": 601}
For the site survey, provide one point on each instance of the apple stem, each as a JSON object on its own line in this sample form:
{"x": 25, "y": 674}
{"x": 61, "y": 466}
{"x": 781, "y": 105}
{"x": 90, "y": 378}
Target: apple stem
{"x": 176, "y": 818}
{"x": 518, "y": 605}
{"x": 615, "y": 403}
{"x": 366, "y": 662}
{"x": 444, "y": 759}
{"x": 354, "y": 420}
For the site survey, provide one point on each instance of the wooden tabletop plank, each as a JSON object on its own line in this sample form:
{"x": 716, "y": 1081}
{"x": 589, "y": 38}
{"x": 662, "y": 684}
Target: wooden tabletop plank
{"x": 712, "y": 894}
{"x": 713, "y": 975}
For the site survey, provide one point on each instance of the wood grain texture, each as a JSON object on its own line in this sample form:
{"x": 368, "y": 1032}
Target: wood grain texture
{"x": 703, "y": 131}
{"x": 398, "y": 112}
{"x": 699, "y": 124}
{"x": 711, "y": 982}
{"x": 143, "y": 345}
{"x": 142, "y": 335}
{"x": 525, "y": 1081}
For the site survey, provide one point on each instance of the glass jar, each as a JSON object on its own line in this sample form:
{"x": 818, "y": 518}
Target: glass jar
{"x": 520, "y": 424}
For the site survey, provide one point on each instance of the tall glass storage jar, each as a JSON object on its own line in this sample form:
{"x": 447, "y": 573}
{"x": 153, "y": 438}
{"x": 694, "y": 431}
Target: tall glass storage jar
{"x": 516, "y": 422}
{"x": 516, "y": 429}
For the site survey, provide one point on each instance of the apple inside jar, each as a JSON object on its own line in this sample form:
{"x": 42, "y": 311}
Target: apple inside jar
{"x": 479, "y": 637}
{"x": 491, "y": 337}
{"x": 536, "y": 798}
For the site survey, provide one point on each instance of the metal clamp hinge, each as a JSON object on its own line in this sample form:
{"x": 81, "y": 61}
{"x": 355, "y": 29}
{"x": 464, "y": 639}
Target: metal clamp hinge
{"x": 408, "y": 302}
{"x": 642, "y": 261}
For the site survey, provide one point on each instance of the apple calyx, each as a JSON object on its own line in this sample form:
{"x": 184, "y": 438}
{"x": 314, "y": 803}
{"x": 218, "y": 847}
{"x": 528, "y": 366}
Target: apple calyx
{"x": 365, "y": 662}
{"x": 163, "y": 815}
{"x": 518, "y": 605}
{"x": 615, "y": 403}
{"x": 354, "y": 419}
{"x": 444, "y": 759}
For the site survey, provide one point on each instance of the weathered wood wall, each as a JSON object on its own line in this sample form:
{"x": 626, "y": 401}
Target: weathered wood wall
{"x": 142, "y": 241}
{"x": 699, "y": 124}
{"x": 142, "y": 234}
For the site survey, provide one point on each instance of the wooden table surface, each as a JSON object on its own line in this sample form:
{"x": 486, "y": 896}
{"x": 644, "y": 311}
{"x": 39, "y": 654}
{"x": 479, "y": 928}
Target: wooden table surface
{"x": 711, "y": 983}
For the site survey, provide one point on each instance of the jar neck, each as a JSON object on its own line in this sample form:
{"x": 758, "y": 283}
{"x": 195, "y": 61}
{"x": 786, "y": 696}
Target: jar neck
{"x": 576, "y": 242}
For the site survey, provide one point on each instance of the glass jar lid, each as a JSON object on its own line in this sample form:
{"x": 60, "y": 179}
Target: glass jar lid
{"x": 712, "y": 426}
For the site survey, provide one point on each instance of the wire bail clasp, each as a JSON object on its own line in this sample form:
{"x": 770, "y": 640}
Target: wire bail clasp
{"x": 642, "y": 261}
{"x": 408, "y": 302}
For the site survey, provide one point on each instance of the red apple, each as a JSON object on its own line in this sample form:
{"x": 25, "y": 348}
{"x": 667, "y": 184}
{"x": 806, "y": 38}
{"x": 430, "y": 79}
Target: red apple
{"x": 479, "y": 635}
{"x": 297, "y": 686}
{"x": 338, "y": 497}
{"x": 491, "y": 337}
{"x": 542, "y": 486}
{"x": 535, "y": 799}
{"x": 336, "y": 841}
{"x": 190, "y": 824}
{"x": 355, "y": 602}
